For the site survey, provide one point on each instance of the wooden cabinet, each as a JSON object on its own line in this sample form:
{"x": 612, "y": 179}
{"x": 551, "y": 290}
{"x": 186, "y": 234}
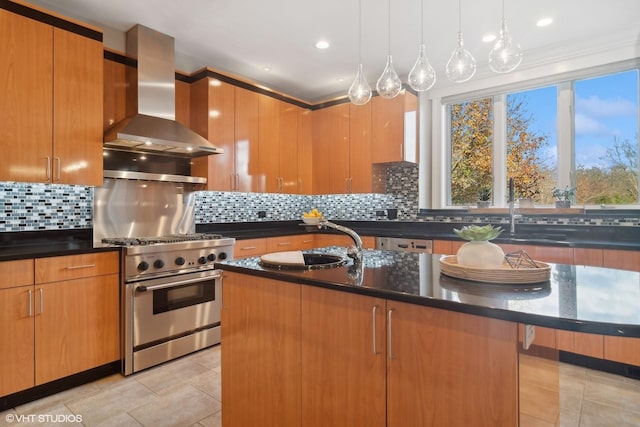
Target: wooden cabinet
{"x": 61, "y": 316}
{"x": 622, "y": 349}
{"x": 624, "y": 260}
{"x": 322, "y": 240}
{"x": 343, "y": 359}
{"x": 115, "y": 93}
{"x": 249, "y": 247}
{"x": 183, "y": 102}
{"x": 17, "y": 332}
{"x": 438, "y": 358}
{"x": 51, "y": 108}
{"x": 394, "y": 129}
{"x": 305, "y": 151}
{"x": 346, "y": 359}
{"x": 278, "y": 146}
{"x": 247, "y": 134}
{"x": 331, "y": 150}
{"x": 290, "y": 243}
{"x": 588, "y": 256}
{"x": 577, "y": 342}
{"x": 77, "y": 324}
{"x": 342, "y": 149}
{"x": 261, "y": 333}
{"x": 212, "y": 115}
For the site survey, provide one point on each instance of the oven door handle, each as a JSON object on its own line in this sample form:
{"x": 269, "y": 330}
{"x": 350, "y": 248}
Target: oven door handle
{"x": 143, "y": 288}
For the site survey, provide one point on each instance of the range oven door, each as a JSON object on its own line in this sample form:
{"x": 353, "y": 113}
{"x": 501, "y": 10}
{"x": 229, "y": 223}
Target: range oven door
{"x": 170, "y": 317}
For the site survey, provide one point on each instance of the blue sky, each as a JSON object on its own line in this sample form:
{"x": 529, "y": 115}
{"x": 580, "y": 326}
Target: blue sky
{"x": 606, "y": 108}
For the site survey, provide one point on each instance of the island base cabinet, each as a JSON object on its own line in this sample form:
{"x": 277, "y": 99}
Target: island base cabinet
{"x": 450, "y": 369}
{"x": 343, "y": 359}
{"x": 260, "y": 352}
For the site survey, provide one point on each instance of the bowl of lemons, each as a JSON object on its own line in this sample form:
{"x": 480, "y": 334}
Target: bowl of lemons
{"x": 313, "y": 217}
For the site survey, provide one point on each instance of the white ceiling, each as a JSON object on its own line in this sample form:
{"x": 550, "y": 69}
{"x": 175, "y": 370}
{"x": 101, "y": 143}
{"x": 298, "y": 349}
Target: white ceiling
{"x": 241, "y": 37}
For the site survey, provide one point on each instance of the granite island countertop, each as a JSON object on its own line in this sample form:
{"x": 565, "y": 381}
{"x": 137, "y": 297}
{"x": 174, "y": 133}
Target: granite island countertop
{"x": 576, "y": 298}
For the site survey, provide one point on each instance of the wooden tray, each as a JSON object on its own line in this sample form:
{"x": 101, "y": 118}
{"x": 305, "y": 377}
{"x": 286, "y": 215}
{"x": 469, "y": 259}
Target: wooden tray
{"x": 449, "y": 266}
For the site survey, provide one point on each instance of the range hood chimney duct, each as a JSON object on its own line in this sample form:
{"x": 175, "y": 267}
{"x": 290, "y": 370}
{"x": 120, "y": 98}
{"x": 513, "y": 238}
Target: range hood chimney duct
{"x": 154, "y": 129}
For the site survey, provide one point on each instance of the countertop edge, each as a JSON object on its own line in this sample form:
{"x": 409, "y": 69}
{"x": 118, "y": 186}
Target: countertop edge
{"x": 601, "y": 328}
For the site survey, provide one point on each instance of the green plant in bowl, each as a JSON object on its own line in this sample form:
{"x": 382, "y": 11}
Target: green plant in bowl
{"x": 477, "y": 233}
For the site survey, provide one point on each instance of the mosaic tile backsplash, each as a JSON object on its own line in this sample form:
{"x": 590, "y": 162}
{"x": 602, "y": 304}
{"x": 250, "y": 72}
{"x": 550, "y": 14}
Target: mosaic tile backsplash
{"x": 32, "y": 207}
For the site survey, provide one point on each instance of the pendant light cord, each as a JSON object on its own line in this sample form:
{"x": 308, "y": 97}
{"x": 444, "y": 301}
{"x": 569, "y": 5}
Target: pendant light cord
{"x": 389, "y": 28}
{"x": 359, "y": 31}
{"x": 459, "y": 16}
{"x": 421, "y": 21}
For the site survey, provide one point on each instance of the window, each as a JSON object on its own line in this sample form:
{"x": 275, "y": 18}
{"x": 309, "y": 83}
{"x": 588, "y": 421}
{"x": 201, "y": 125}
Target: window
{"x": 606, "y": 139}
{"x": 516, "y": 136}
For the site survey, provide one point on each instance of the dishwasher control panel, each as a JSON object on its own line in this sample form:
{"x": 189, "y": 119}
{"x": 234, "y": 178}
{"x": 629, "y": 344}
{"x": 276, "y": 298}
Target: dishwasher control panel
{"x": 404, "y": 245}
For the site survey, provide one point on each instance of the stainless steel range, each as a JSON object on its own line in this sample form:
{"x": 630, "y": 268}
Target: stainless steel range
{"x": 171, "y": 296}
{"x": 171, "y": 292}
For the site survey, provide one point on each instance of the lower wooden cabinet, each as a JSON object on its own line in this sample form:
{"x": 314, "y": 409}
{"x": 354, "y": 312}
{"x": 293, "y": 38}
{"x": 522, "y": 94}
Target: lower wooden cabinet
{"x": 290, "y": 243}
{"x": 591, "y": 345}
{"x": 60, "y": 316}
{"x": 622, "y": 349}
{"x": 255, "y": 247}
{"x": 296, "y": 355}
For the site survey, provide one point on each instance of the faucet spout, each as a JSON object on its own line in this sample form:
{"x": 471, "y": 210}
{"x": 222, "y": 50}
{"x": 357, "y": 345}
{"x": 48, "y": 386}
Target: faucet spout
{"x": 354, "y": 252}
{"x": 513, "y": 217}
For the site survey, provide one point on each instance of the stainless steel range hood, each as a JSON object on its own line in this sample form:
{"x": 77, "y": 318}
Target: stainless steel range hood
{"x": 154, "y": 129}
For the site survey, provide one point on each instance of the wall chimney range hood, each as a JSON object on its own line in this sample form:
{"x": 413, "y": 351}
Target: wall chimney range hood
{"x": 154, "y": 129}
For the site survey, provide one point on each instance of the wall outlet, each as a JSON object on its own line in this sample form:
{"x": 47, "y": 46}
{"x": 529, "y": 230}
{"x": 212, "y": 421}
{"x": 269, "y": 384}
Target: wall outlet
{"x": 262, "y": 214}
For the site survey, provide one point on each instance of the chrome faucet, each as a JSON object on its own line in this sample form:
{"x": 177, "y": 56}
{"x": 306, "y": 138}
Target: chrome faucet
{"x": 354, "y": 252}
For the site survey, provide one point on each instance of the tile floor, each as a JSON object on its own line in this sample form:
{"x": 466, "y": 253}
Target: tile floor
{"x": 186, "y": 393}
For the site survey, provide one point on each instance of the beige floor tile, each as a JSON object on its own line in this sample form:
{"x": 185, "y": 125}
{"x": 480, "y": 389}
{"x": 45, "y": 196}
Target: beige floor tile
{"x": 194, "y": 405}
{"x": 112, "y": 402}
{"x": 611, "y": 390}
{"x": 171, "y": 375}
{"x": 41, "y": 405}
{"x": 214, "y": 420}
{"x": 599, "y": 415}
{"x": 119, "y": 420}
{"x": 210, "y": 383}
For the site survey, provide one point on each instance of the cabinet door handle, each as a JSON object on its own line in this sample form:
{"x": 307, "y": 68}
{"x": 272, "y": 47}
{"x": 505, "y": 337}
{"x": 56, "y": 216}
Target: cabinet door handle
{"x": 238, "y": 182}
{"x": 350, "y": 185}
{"x": 346, "y": 184}
{"x": 389, "y": 332}
{"x": 284, "y": 243}
{"x": 58, "y": 169}
{"x": 77, "y": 267}
{"x": 48, "y": 168}
{"x": 41, "y": 301}
{"x": 30, "y": 303}
{"x": 299, "y": 185}
{"x": 247, "y": 248}
{"x": 374, "y": 310}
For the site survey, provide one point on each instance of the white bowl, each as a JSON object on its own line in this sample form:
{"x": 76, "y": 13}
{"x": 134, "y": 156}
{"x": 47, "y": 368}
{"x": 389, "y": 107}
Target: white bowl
{"x": 311, "y": 220}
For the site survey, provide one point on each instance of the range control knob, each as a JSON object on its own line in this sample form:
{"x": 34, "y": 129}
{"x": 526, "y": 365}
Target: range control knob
{"x": 180, "y": 261}
{"x": 158, "y": 263}
{"x": 211, "y": 257}
{"x": 222, "y": 255}
{"x": 143, "y": 266}
{"x": 202, "y": 260}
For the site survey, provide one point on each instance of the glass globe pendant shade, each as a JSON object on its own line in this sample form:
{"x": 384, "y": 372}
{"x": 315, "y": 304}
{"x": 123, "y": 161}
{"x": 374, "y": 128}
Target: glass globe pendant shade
{"x": 389, "y": 84}
{"x": 360, "y": 91}
{"x": 461, "y": 65}
{"x": 505, "y": 55}
{"x": 422, "y": 76}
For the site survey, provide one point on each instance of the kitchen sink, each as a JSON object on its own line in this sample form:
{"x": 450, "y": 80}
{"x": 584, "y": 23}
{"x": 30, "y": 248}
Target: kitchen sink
{"x": 307, "y": 262}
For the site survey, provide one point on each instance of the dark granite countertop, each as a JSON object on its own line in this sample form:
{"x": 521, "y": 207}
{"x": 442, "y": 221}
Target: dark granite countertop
{"x": 576, "y": 298}
{"x": 580, "y": 236}
{"x": 39, "y": 244}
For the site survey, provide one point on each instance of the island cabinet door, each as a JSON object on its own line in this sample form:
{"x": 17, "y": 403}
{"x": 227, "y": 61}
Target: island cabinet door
{"x": 343, "y": 359}
{"x": 450, "y": 369}
{"x": 260, "y": 352}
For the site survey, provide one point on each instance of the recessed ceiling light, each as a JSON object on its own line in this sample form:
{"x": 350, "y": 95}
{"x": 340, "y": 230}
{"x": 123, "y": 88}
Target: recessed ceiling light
{"x": 322, "y": 44}
{"x": 488, "y": 38}
{"x": 267, "y": 69}
{"x": 340, "y": 79}
{"x": 543, "y": 22}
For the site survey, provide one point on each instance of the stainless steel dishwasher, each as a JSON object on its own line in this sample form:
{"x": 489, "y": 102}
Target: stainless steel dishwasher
{"x": 404, "y": 245}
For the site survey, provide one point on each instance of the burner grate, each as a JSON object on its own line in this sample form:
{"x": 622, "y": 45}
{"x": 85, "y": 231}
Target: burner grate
{"x": 173, "y": 238}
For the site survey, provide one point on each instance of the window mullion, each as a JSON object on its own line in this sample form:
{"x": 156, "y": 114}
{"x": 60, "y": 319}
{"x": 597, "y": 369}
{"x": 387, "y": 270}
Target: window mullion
{"x": 500, "y": 150}
{"x": 566, "y": 135}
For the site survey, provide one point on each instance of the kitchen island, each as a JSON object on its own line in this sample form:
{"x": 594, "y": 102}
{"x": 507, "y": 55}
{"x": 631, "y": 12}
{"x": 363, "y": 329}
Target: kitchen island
{"x": 394, "y": 342}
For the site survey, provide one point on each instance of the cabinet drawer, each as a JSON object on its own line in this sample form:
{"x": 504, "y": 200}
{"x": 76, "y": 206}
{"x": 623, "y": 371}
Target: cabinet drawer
{"x": 16, "y": 273}
{"x": 54, "y": 269}
{"x": 249, "y": 247}
{"x": 290, "y": 243}
{"x": 622, "y": 349}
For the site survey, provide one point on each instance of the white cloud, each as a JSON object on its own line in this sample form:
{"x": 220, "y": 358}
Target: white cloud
{"x": 586, "y": 125}
{"x": 599, "y": 107}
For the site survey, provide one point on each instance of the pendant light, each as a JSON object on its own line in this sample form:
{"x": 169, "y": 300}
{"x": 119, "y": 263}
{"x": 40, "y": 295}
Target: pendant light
{"x": 461, "y": 66}
{"x": 360, "y": 91}
{"x": 389, "y": 84}
{"x": 505, "y": 55}
{"x": 422, "y": 76}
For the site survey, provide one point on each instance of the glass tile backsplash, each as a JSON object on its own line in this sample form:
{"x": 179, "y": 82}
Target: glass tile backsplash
{"x": 32, "y": 207}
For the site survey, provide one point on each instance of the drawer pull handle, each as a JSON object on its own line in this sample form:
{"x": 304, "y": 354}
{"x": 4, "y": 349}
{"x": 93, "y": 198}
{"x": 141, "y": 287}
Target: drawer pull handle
{"x": 246, "y": 248}
{"x": 77, "y": 267}
{"x": 389, "y": 333}
{"x": 284, "y": 244}
{"x": 30, "y": 303}
{"x": 373, "y": 320}
{"x": 41, "y": 301}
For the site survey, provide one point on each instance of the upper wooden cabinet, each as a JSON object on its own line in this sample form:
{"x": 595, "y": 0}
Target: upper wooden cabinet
{"x": 212, "y": 114}
{"x": 305, "y": 151}
{"x": 394, "y": 129}
{"x": 331, "y": 149}
{"x": 51, "y": 108}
